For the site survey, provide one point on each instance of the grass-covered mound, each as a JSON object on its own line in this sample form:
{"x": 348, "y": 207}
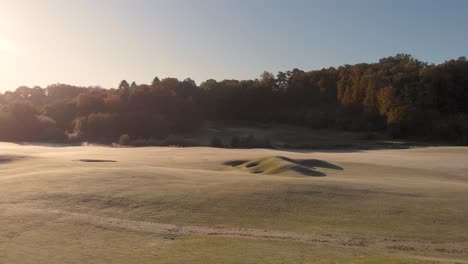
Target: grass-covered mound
{"x": 280, "y": 164}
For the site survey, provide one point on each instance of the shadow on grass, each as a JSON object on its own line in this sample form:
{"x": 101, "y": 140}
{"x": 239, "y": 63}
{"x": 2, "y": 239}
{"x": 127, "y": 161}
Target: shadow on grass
{"x": 8, "y": 159}
{"x": 307, "y": 171}
{"x": 314, "y": 163}
{"x": 95, "y": 160}
{"x": 234, "y": 163}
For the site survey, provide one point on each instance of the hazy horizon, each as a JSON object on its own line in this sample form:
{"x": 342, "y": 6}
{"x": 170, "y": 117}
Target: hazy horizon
{"x": 102, "y": 42}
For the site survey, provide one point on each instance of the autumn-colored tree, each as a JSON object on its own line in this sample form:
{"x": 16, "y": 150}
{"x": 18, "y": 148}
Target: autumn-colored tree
{"x": 398, "y": 94}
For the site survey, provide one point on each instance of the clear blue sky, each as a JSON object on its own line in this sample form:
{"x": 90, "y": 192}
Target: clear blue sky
{"x": 100, "y": 42}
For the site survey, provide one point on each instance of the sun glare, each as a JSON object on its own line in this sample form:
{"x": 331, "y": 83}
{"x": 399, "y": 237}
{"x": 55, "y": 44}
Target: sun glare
{"x": 7, "y": 46}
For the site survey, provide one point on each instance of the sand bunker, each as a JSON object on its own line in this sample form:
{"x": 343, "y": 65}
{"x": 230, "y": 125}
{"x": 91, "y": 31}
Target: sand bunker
{"x": 280, "y": 164}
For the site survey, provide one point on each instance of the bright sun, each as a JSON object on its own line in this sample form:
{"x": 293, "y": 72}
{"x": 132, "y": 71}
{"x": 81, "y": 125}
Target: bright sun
{"x": 6, "y": 46}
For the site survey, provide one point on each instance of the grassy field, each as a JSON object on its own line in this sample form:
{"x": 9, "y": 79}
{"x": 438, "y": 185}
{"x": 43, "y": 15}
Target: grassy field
{"x": 206, "y": 205}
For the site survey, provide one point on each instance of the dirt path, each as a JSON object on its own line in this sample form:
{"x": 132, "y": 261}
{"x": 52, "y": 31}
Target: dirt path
{"x": 172, "y": 231}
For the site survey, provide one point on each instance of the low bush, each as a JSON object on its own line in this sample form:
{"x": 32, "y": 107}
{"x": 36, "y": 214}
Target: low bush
{"x": 124, "y": 140}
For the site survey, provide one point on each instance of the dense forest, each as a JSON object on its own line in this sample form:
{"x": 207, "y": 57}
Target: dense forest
{"x": 400, "y": 95}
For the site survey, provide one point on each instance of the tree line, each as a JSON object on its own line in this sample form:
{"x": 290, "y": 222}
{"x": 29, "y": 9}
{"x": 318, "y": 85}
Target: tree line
{"x": 399, "y": 94}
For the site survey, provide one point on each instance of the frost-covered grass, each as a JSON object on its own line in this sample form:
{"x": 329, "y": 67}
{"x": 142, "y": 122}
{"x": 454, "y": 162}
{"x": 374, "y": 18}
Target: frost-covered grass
{"x": 392, "y": 206}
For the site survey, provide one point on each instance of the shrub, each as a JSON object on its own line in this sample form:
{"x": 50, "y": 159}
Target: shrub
{"x": 124, "y": 140}
{"x": 216, "y": 142}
